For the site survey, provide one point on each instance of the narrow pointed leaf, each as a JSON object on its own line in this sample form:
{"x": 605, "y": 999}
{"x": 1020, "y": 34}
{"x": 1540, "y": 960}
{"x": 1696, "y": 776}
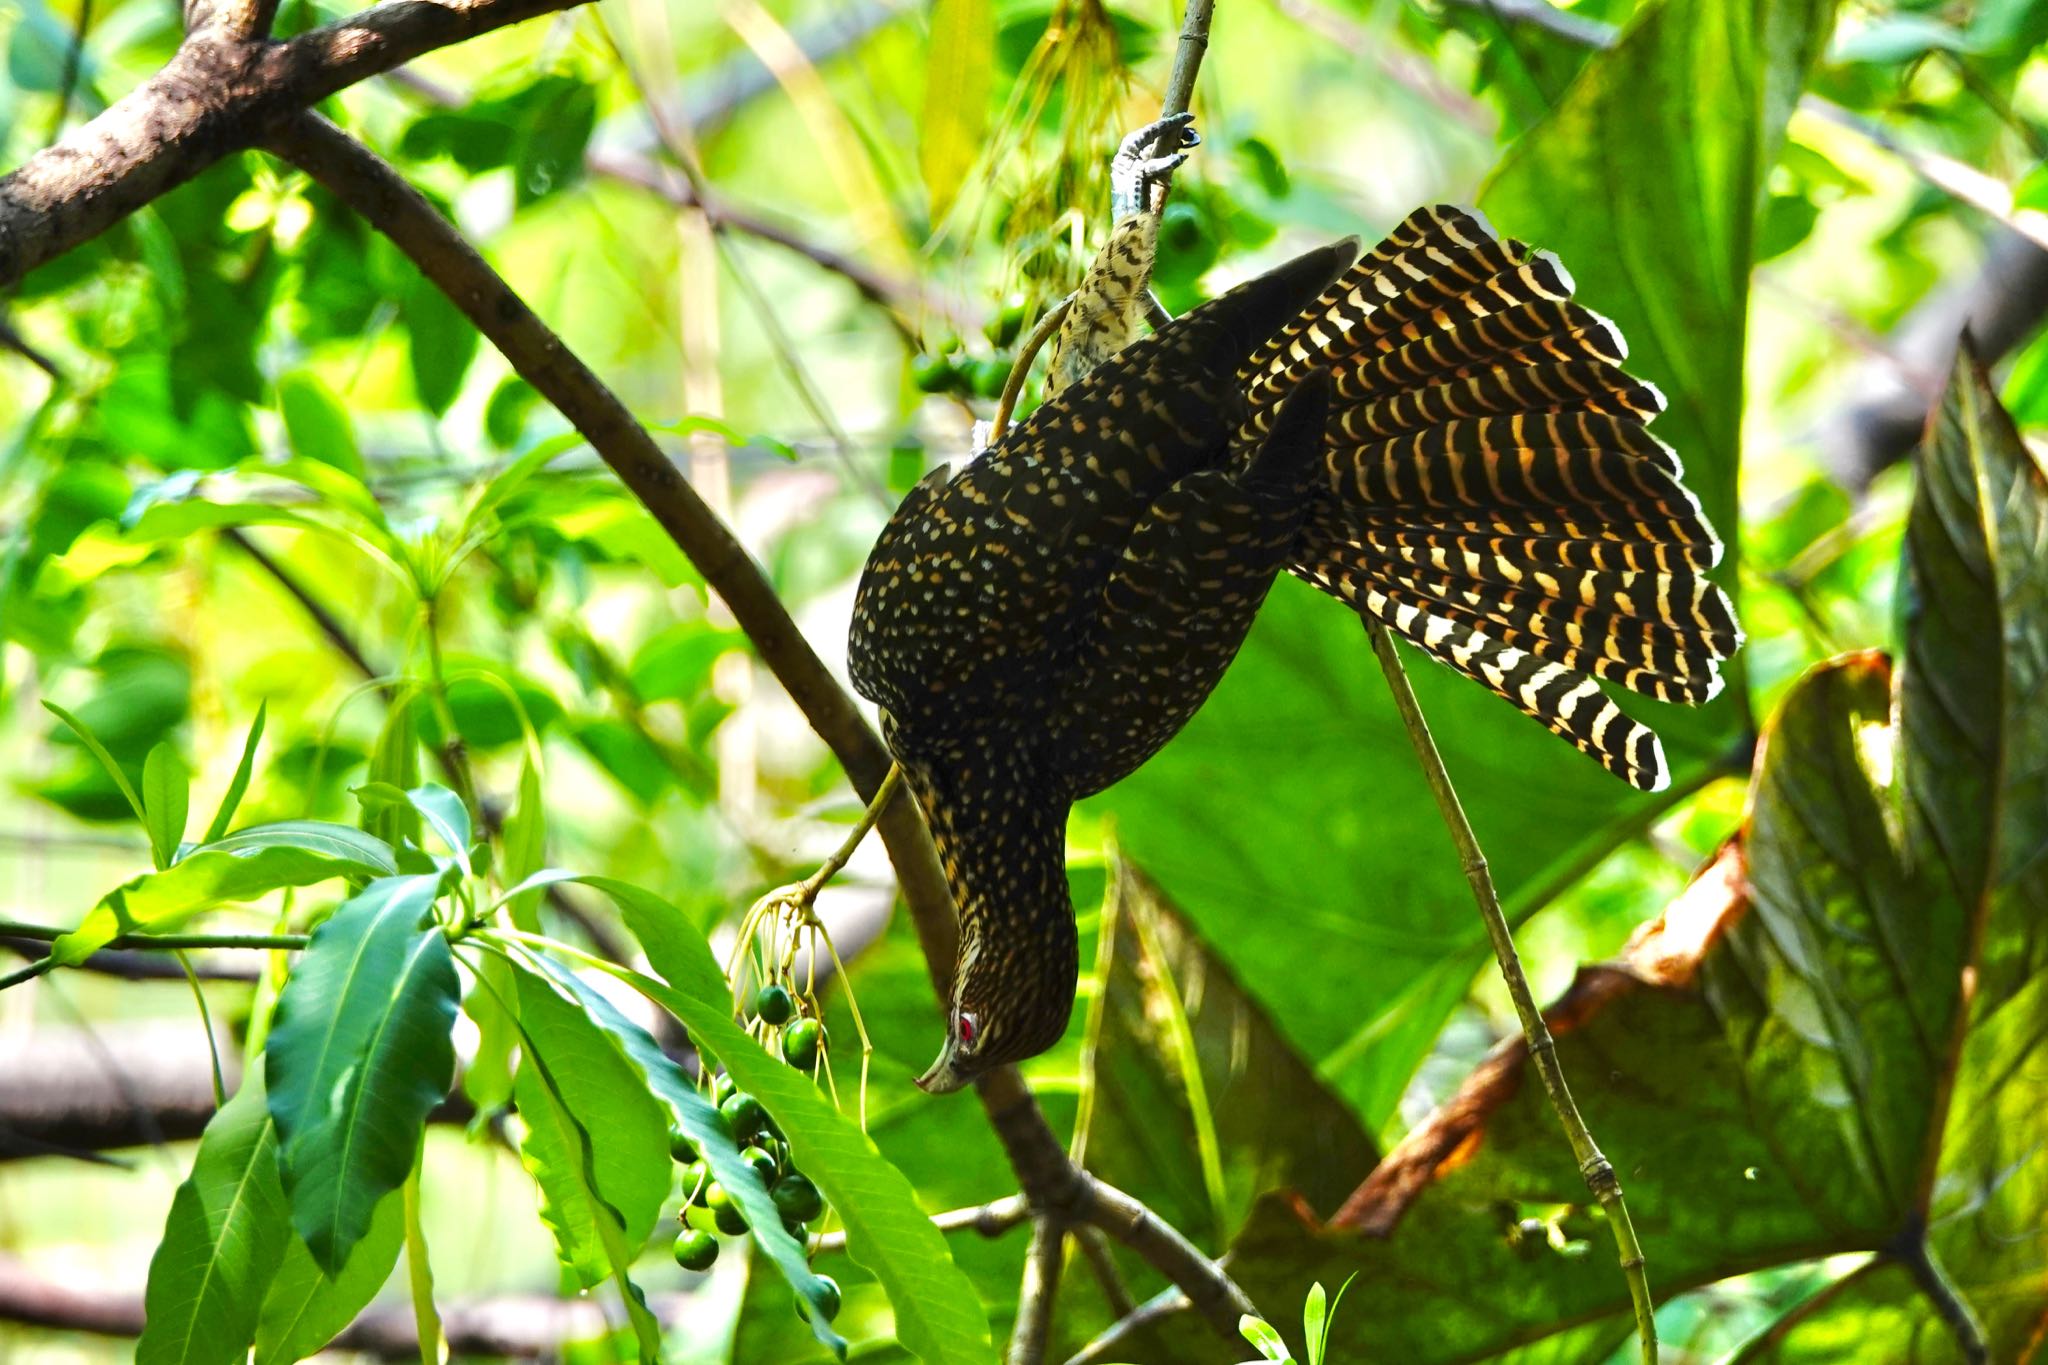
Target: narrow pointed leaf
{"x": 359, "y": 1052}
{"x": 231, "y": 801}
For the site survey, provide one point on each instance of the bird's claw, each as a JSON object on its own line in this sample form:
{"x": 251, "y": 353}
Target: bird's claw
{"x": 1139, "y": 166}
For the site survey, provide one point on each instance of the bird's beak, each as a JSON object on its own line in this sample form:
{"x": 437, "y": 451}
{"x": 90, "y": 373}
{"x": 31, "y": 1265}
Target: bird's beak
{"x": 945, "y": 1075}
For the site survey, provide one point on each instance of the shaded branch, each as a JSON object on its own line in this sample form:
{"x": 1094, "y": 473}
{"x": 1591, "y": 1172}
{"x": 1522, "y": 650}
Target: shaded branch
{"x": 521, "y": 1326}
{"x": 1038, "y": 1293}
{"x": 216, "y": 96}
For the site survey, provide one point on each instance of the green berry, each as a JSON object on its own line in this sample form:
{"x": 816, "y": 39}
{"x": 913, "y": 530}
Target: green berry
{"x": 696, "y": 1249}
{"x": 745, "y": 1114}
{"x": 800, "y": 1043}
{"x": 988, "y": 375}
{"x": 773, "y": 1004}
{"x": 722, "y": 1088}
{"x": 828, "y": 1300}
{"x": 795, "y": 1228}
{"x": 1009, "y": 322}
{"x": 679, "y": 1145}
{"x": 762, "y": 1162}
{"x": 695, "y": 1178}
{"x": 797, "y": 1197}
{"x": 933, "y": 374}
{"x": 730, "y": 1220}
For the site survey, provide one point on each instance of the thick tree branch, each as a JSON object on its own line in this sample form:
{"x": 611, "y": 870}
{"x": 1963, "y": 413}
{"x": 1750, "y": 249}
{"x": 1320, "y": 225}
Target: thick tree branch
{"x": 217, "y": 95}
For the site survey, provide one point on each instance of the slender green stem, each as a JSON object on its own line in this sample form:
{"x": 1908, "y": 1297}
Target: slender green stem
{"x": 453, "y": 755}
{"x": 220, "y": 1089}
{"x": 1595, "y": 1167}
{"x": 813, "y": 884}
{"x": 160, "y": 942}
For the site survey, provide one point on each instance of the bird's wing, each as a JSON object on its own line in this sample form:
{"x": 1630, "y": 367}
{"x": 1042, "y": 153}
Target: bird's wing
{"x": 1180, "y": 599}
{"x": 980, "y": 585}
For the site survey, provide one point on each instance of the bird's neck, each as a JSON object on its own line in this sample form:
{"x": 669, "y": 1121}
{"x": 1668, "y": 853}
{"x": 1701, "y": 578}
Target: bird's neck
{"x": 1002, "y": 839}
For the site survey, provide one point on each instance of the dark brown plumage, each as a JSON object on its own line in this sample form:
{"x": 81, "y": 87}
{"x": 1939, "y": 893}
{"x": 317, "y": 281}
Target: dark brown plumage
{"x": 1435, "y": 435}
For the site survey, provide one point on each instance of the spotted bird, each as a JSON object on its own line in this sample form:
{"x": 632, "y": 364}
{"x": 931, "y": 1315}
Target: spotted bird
{"x": 1432, "y": 433}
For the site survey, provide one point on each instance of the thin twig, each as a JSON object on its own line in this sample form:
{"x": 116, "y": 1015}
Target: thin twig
{"x": 1096, "y": 1249}
{"x": 160, "y": 943}
{"x": 1597, "y": 1170}
{"x": 991, "y": 1220}
{"x": 1040, "y": 1291}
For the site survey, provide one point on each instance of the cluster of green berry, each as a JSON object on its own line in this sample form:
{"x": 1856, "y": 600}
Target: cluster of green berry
{"x": 796, "y": 1198}
{"x": 947, "y": 367}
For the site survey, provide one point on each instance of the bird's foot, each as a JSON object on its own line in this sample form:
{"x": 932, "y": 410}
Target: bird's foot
{"x": 1140, "y": 171}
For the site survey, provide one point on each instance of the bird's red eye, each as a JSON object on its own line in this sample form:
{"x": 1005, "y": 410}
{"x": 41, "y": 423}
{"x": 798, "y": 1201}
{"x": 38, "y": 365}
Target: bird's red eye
{"x": 968, "y": 1028}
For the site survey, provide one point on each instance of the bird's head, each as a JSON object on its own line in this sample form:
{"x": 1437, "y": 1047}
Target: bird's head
{"x": 1010, "y": 1001}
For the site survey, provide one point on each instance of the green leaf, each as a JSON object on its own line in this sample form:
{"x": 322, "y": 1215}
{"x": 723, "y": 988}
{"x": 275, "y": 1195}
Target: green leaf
{"x": 305, "y": 1309}
{"x": 239, "y": 786}
{"x": 446, "y": 816}
{"x": 575, "y": 1195}
{"x": 317, "y": 424}
{"x": 166, "y": 801}
{"x": 959, "y": 69}
{"x": 441, "y": 343}
{"x": 1260, "y": 1333}
{"x": 550, "y": 156}
{"x": 938, "y": 1316}
{"x": 587, "y": 1084}
{"x": 99, "y": 751}
{"x": 1315, "y": 1322}
{"x": 691, "y": 1111}
{"x": 227, "y": 1228}
{"x": 526, "y": 839}
{"x": 246, "y": 865}
{"x": 1187, "y": 1075}
{"x": 344, "y": 844}
{"x": 358, "y": 1055}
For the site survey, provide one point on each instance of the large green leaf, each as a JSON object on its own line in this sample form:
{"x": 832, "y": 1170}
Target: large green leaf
{"x": 306, "y": 1308}
{"x": 1974, "y": 789}
{"x": 597, "y": 1089}
{"x": 245, "y": 866}
{"x": 1196, "y": 1104}
{"x": 938, "y": 1316}
{"x": 359, "y": 1052}
{"x": 227, "y": 1228}
{"x": 1789, "y": 1064}
{"x": 1361, "y": 950}
{"x": 688, "y": 1109}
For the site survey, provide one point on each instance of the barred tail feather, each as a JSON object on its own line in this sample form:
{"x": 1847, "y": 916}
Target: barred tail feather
{"x": 1491, "y": 487}
{"x": 1564, "y": 700}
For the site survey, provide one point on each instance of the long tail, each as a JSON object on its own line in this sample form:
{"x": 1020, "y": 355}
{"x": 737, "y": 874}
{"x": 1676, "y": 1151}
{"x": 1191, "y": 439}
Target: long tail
{"x": 1492, "y": 489}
